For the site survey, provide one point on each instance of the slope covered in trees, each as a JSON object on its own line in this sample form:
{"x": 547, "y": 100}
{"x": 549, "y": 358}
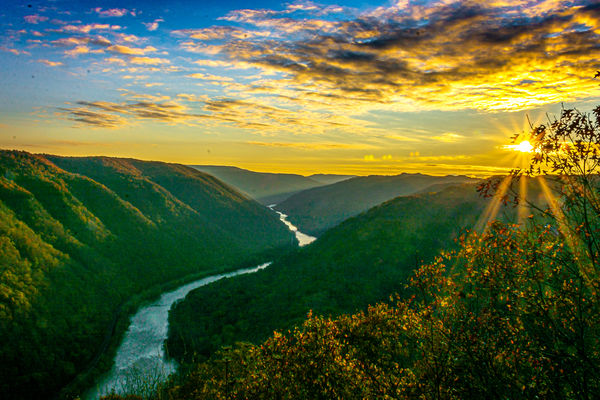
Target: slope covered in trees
{"x": 80, "y": 236}
{"x": 509, "y": 315}
{"x": 315, "y": 210}
{"x": 513, "y": 312}
{"x": 360, "y": 262}
{"x": 266, "y": 188}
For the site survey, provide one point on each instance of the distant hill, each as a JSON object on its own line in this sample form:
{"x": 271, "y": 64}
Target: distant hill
{"x": 315, "y": 210}
{"x": 328, "y": 179}
{"x": 362, "y": 261}
{"x": 80, "y": 236}
{"x": 266, "y": 188}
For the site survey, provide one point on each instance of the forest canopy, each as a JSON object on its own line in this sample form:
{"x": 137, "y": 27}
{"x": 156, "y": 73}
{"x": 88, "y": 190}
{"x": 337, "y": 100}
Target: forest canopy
{"x": 512, "y": 313}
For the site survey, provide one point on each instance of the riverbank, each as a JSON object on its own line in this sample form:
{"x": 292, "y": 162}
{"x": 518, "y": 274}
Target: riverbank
{"x": 141, "y": 356}
{"x": 104, "y": 358}
{"x": 105, "y": 361}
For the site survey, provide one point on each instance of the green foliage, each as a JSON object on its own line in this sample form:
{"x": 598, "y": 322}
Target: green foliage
{"x": 360, "y": 262}
{"x": 321, "y": 208}
{"x": 81, "y": 236}
{"x": 513, "y": 313}
{"x": 508, "y": 315}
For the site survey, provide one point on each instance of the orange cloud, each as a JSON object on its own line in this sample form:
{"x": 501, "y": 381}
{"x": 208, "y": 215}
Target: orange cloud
{"x": 496, "y": 55}
{"x": 119, "y": 49}
{"x": 51, "y": 63}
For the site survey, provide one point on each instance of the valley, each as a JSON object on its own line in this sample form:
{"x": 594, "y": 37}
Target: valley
{"x": 195, "y": 302}
{"x": 86, "y": 237}
{"x": 311, "y": 200}
{"x": 141, "y": 356}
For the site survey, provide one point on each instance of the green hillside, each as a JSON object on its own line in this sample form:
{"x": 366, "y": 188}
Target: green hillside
{"x": 315, "y": 210}
{"x": 266, "y": 188}
{"x": 362, "y": 261}
{"x": 81, "y": 236}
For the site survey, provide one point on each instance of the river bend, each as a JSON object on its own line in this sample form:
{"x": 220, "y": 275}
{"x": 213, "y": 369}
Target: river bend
{"x": 140, "y": 361}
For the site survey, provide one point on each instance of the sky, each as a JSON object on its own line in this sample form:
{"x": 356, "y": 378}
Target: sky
{"x": 355, "y": 87}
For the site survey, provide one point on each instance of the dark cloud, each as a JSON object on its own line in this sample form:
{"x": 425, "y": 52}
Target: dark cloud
{"x": 428, "y": 51}
{"x": 111, "y": 115}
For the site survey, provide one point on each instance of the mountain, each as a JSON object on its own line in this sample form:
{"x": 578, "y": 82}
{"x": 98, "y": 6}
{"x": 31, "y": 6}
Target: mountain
{"x": 362, "y": 261}
{"x": 315, "y": 210}
{"x": 266, "y": 188}
{"x": 328, "y": 179}
{"x": 81, "y": 236}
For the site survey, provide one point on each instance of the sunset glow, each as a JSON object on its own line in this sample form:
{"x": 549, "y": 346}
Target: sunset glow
{"x": 302, "y": 86}
{"x": 523, "y": 147}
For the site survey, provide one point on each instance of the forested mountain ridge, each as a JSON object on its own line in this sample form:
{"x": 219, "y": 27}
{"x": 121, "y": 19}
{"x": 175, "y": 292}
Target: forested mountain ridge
{"x": 267, "y": 188}
{"x": 79, "y": 236}
{"x": 315, "y": 210}
{"x": 362, "y": 261}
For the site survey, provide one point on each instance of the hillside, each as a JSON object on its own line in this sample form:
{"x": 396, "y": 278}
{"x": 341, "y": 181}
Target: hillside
{"x": 362, "y": 261}
{"x": 315, "y": 210}
{"x": 483, "y": 323}
{"x": 266, "y": 188}
{"x": 329, "y": 179}
{"x": 512, "y": 313}
{"x": 80, "y": 236}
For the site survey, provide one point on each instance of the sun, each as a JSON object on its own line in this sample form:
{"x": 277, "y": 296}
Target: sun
{"x": 523, "y": 147}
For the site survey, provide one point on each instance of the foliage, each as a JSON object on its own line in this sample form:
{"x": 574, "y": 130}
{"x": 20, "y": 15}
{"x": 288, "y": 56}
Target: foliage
{"x": 507, "y": 316}
{"x": 355, "y": 264}
{"x": 81, "y": 236}
{"x": 569, "y": 148}
{"x": 318, "y": 209}
{"x": 513, "y": 313}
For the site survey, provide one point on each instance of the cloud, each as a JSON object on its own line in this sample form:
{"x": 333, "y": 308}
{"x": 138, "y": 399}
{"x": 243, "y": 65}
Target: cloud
{"x": 127, "y": 37}
{"x": 115, "y": 60}
{"x": 148, "y": 61}
{"x": 372, "y": 158}
{"x": 113, "y": 12}
{"x": 112, "y": 115}
{"x": 448, "y": 137}
{"x": 89, "y": 27}
{"x": 311, "y": 145}
{"x": 16, "y": 52}
{"x": 152, "y": 26}
{"x": 488, "y": 56}
{"x": 210, "y": 77}
{"x": 220, "y": 32}
{"x": 193, "y": 97}
{"x": 257, "y": 117}
{"x": 78, "y": 50}
{"x": 82, "y": 40}
{"x": 264, "y": 118}
{"x": 35, "y": 18}
{"x": 119, "y": 49}
{"x": 51, "y": 63}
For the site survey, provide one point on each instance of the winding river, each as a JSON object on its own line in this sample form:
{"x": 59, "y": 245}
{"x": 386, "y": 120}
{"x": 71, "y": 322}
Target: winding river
{"x": 303, "y": 238}
{"x": 140, "y": 361}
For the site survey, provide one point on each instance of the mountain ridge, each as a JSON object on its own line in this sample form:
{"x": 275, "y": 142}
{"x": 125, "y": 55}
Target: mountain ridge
{"x": 362, "y": 261}
{"x": 266, "y": 187}
{"x": 317, "y": 209}
{"x": 81, "y": 235}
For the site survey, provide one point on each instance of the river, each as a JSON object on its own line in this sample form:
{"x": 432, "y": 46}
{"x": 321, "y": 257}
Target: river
{"x": 140, "y": 363}
{"x": 303, "y": 238}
